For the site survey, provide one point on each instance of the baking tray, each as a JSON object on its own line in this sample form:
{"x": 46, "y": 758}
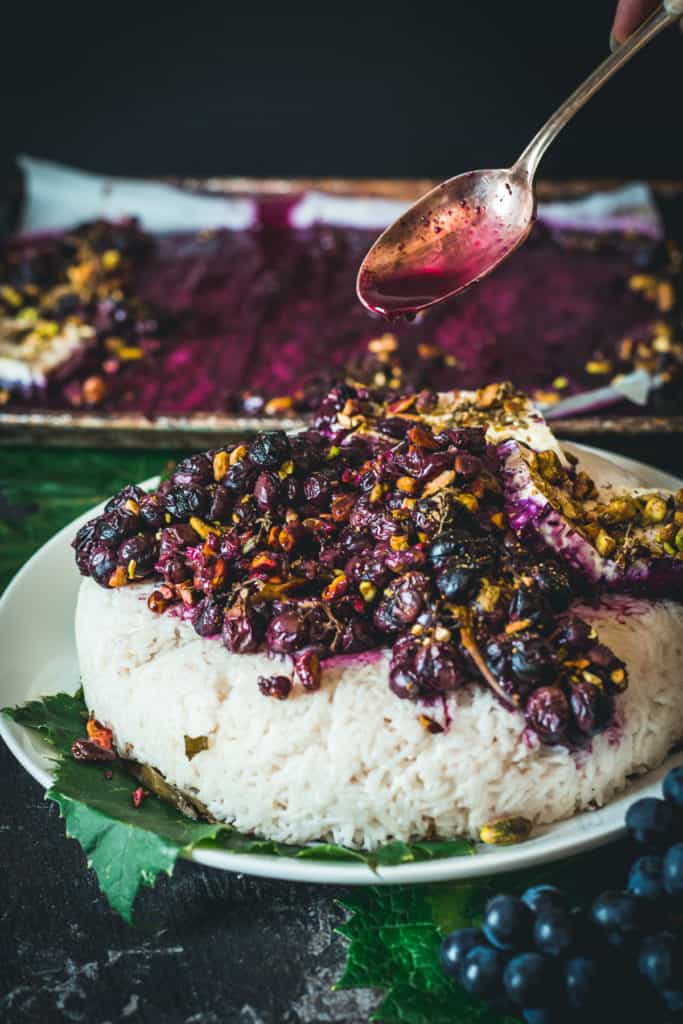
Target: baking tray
{"x": 200, "y": 430}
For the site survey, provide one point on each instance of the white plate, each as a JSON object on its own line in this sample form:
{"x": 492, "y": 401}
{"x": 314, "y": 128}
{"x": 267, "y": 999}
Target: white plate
{"x": 39, "y": 657}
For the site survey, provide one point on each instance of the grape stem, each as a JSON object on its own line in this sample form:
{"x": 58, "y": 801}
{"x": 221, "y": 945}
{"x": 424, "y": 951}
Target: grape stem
{"x": 470, "y": 645}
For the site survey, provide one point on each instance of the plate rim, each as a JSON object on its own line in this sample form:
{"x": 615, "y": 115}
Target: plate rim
{"x": 487, "y": 861}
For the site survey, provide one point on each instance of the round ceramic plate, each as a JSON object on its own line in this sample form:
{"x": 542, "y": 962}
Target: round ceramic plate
{"x": 39, "y": 657}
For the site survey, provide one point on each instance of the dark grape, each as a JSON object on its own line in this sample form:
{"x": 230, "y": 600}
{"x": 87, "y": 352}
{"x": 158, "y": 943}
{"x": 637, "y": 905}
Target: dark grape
{"x": 194, "y": 470}
{"x": 141, "y": 549}
{"x": 554, "y": 932}
{"x": 673, "y": 787}
{"x": 618, "y": 914}
{"x": 450, "y": 542}
{"x": 278, "y": 687}
{"x": 674, "y": 1000}
{"x": 532, "y": 661}
{"x": 672, "y": 870}
{"x": 458, "y": 580}
{"x": 130, "y": 493}
{"x": 660, "y": 960}
{"x": 530, "y": 980}
{"x": 455, "y": 948}
{"x": 183, "y": 502}
{"x": 545, "y": 1015}
{"x": 507, "y": 922}
{"x": 544, "y": 897}
{"x": 482, "y": 972}
{"x": 645, "y": 879}
{"x": 592, "y": 708}
{"x": 102, "y": 564}
{"x": 269, "y": 449}
{"x": 650, "y": 820}
{"x": 285, "y": 632}
{"x": 547, "y": 712}
{"x": 583, "y": 978}
{"x": 209, "y": 618}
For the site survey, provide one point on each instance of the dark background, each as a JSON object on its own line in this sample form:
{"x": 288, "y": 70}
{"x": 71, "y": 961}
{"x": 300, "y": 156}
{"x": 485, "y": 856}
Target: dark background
{"x": 426, "y": 91}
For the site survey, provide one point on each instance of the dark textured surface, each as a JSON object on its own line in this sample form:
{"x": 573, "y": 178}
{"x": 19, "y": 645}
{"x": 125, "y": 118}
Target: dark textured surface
{"x": 210, "y": 947}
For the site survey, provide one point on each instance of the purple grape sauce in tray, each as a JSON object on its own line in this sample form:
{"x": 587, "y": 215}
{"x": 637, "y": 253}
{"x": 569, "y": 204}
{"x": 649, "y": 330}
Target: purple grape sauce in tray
{"x": 258, "y": 322}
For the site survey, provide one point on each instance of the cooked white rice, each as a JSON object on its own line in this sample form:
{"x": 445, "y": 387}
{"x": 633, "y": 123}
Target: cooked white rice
{"x": 351, "y": 763}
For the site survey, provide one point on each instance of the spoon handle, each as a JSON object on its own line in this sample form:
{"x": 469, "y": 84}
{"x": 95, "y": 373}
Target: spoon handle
{"x": 661, "y": 17}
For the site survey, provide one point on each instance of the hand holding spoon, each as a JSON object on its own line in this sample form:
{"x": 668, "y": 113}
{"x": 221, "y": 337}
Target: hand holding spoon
{"x": 461, "y": 230}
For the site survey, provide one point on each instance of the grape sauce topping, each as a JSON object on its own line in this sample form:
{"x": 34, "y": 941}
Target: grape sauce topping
{"x": 383, "y": 525}
{"x": 108, "y": 317}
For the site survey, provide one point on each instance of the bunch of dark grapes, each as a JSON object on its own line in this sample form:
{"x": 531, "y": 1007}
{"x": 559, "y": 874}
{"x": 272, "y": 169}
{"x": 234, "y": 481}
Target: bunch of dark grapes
{"x": 537, "y": 957}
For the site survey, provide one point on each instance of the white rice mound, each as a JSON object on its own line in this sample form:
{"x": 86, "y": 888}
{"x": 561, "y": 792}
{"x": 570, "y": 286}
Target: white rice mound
{"x": 351, "y": 763}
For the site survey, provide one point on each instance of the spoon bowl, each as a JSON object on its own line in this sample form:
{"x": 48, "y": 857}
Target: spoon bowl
{"x": 461, "y": 230}
{"x": 450, "y": 238}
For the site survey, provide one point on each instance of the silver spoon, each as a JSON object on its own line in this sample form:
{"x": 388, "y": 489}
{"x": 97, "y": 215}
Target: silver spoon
{"x": 465, "y": 227}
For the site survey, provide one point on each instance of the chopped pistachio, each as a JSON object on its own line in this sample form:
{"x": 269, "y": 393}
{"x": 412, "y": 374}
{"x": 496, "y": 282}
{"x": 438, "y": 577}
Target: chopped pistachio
{"x": 605, "y": 544}
{"x": 506, "y": 830}
{"x": 666, "y": 534}
{"x": 618, "y": 510}
{"x": 238, "y": 453}
{"x": 569, "y": 509}
{"x": 655, "y": 509}
{"x": 128, "y": 353}
{"x": 618, "y": 678}
{"x": 110, "y": 259}
{"x": 428, "y": 724}
{"x": 385, "y": 343}
{"x": 625, "y": 349}
{"x": 665, "y": 296}
{"x": 202, "y": 528}
{"x": 598, "y": 367}
{"x": 399, "y": 542}
{"x": 194, "y": 745}
{"x": 119, "y": 577}
{"x": 549, "y": 466}
{"x": 407, "y": 484}
{"x": 282, "y": 403}
{"x": 427, "y": 350}
{"x": 583, "y": 486}
{"x": 468, "y": 501}
{"x": 488, "y": 596}
{"x": 661, "y": 343}
{"x": 642, "y": 282}
{"x": 221, "y": 465}
{"x": 546, "y": 397}
{"x": 11, "y": 296}
{"x": 439, "y": 483}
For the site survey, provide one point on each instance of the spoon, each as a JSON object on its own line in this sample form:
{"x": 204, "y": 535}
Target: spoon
{"x": 461, "y": 230}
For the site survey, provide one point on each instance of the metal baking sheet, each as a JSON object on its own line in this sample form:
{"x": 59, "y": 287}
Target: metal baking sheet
{"x": 74, "y": 429}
